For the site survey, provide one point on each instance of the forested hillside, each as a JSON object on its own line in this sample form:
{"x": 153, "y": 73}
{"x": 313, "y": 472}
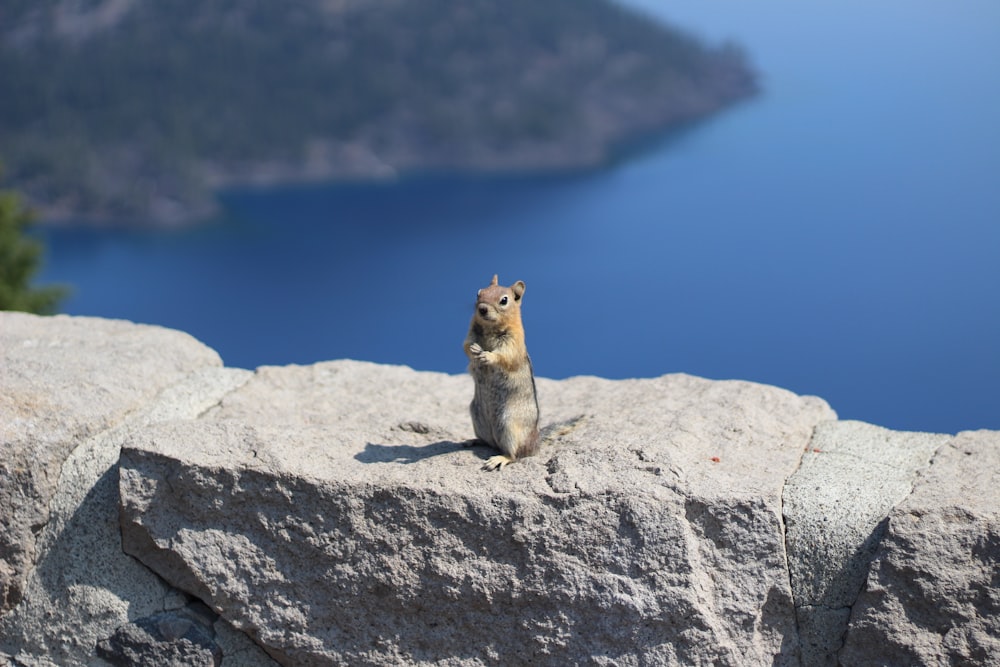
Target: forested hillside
{"x": 128, "y": 111}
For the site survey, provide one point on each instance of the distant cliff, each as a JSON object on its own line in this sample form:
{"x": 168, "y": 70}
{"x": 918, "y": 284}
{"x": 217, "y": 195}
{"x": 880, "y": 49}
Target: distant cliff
{"x": 126, "y": 111}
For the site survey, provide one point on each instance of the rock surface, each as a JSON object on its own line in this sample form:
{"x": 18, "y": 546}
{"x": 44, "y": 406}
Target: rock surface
{"x": 63, "y": 381}
{"x": 933, "y": 592}
{"x": 835, "y": 508}
{"x": 171, "y": 638}
{"x": 333, "y": 514}
{"x": 73, "y": 390}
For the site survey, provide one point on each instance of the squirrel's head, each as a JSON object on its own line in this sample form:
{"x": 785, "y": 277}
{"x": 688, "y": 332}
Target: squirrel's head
{"x": 495, "y": 302}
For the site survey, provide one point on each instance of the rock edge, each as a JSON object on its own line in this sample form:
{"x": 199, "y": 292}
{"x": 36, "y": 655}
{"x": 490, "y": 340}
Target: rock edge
{"x": 331, "y": 514}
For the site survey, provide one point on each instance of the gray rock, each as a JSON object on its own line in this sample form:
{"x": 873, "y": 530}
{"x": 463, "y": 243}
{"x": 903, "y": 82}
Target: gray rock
{"x": 64, "y": 380}
{"x": 80, "y": 586}
{"x": 238, "y": 650}
{"x": 933, "y": 593}
{"x": 332, "y": 513}
{"x": 836, "y": 503}
{"x": 182, "y": 638}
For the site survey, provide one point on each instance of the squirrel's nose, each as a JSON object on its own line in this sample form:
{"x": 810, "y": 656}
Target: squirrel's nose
{"x": 483, "y": 310}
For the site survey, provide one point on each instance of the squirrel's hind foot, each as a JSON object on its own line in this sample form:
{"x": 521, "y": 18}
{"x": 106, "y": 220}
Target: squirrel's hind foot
{"x": 497, "y": 462}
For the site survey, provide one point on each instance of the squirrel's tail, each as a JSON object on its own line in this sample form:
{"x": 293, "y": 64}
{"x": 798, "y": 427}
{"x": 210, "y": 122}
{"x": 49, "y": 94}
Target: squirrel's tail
{"x": 559, "y": 429}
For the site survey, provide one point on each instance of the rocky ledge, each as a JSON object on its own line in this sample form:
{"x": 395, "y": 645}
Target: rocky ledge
{"x": 159, "y": 508}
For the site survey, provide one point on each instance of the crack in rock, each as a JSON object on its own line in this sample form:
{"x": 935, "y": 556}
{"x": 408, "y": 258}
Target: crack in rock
{"x": 83, "y": 585}
{"x": 835, "y": 509}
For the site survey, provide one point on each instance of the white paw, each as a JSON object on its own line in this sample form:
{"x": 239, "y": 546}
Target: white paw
{"x": 497, "y": 462}
{"x": 483, "y": 357}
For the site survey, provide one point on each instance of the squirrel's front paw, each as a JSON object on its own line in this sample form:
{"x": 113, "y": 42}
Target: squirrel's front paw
{"x": 482, "y": 356}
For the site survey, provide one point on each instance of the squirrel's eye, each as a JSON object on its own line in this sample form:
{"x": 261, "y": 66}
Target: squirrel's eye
{"x": 503, "y": 301}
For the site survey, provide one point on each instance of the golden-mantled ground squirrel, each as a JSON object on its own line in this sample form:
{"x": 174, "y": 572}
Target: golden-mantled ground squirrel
{"x": 504, "y": 408}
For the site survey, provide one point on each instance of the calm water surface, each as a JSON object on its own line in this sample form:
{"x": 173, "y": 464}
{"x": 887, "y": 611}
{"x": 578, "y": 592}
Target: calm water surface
{"x": 838, "y": 236}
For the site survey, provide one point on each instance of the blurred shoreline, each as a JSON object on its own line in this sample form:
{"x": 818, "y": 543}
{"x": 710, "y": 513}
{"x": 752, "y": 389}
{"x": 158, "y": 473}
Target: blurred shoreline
{"x": 141, "y": 116}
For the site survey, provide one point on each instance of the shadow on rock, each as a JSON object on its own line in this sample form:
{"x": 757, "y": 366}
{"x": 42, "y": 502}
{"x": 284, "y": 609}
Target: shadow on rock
{"x": 376, "y": 453}
{"x": 83, "y": 585}
{"x": 179, "y": 637}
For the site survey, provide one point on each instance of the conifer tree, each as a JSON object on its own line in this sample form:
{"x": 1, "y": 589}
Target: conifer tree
{"x": 20, "y": 258}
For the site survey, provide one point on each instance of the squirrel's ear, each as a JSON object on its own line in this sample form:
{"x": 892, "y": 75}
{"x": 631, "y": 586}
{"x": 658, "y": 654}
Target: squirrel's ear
{"x": 495, "y": 279}
{"x": 518, "y": 290}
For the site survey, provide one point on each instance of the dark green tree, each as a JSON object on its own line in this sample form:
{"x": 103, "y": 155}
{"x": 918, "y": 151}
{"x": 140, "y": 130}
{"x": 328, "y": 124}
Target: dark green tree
{"x": 20, "y": 257}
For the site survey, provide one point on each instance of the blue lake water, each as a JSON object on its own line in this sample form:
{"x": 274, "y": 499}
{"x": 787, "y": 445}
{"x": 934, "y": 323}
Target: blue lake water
{"x": 839, "y": 235}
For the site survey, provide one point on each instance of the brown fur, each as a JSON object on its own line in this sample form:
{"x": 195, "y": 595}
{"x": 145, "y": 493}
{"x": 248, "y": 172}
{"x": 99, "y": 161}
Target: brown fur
{"x": 504, "y": 408}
